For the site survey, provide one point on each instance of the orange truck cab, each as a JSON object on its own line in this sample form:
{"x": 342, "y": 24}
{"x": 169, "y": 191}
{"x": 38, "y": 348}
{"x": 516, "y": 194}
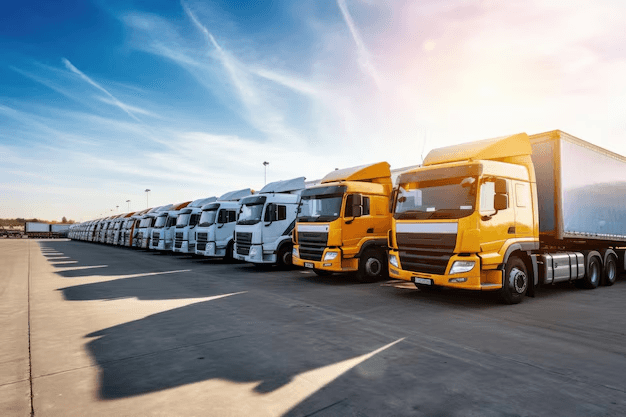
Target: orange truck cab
{"x": 476, "y": 216}
{"x": 343, "y": 222}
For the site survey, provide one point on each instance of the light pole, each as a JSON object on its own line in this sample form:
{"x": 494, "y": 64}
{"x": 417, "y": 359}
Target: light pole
{"x": 147, "y": 204}
{"x": 128, "y": 201}
{"x": 265, "y": 164}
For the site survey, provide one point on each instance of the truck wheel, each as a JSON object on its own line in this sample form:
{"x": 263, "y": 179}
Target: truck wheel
{"x": 229, "y": 253}
{"x": 516, "y": 281}
{"x": 372, "y": 266}
{"x": 593, "y": 274}
{"x": 284, "y": 256}
{"x": 610, "y": 271}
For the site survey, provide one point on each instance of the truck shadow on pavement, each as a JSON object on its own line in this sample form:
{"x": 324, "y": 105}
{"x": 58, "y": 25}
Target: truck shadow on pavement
{"x": 233, "y": 338}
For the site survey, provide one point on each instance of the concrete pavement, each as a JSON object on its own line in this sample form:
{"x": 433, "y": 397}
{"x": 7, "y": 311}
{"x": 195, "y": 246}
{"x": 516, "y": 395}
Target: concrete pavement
{"x": 125, "y": 332}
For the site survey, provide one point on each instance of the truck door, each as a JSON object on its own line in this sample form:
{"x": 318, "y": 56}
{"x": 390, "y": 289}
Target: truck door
{"x": 497, "y": 216}
{"x": 356, "y": 221}
{"x": 275, "y": 222}
{"x": 523, "y": 209}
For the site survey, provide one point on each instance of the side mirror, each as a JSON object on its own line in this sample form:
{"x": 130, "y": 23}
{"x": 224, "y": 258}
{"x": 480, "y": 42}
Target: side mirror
{"x": 501, "y": 186}
{"x": 501, "y": 202}
{"x": 271, "y": 213}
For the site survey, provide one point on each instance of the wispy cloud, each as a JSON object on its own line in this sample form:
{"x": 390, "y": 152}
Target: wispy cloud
{"x": 87, "y": 79}
{"x": 365, "y": 59}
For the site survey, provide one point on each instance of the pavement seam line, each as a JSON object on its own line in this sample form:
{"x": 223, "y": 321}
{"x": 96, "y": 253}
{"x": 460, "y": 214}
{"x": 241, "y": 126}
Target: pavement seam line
{"x": 13, "y": 382}
{"x": 30, "y": 356}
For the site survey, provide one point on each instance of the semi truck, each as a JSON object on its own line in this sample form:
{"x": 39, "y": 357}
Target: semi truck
{"x": 511, "y": 214}
{"x": 265, "y": 222}
{"x": 186, "y": 222}
{"x": 37, "y": 230}
{"x": 163, "y": 231}
{"x": 216, "y": 228}
{"x": 129, "y": 230}
{"x": 146, "y": 224}
{"x": 343, "y": 223}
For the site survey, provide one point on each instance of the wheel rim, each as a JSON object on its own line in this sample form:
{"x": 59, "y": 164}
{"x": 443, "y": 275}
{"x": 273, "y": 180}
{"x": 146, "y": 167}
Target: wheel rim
{"x": 611, "y": 269}
{"x": 287, "y": 258}
{"x": 594, "y": 273}
{"x": 519, "y": 280}
{"x": 373, "y": 267}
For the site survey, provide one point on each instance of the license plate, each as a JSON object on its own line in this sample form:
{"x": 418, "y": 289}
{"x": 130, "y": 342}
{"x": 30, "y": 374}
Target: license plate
{"x": 308, "y": 265}
{"x": 423, "y": 281}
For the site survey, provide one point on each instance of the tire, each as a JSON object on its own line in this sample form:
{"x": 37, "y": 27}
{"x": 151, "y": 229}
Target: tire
{"x": 372, "y": 266}
{"x": 321, "y": 272}
{"x": 516, "y": 281}
{"x": 229, "y": 253}
{"x": 593, "y": 273}
{"x": 609, "y": 274}
{"x": 283, "y": 256}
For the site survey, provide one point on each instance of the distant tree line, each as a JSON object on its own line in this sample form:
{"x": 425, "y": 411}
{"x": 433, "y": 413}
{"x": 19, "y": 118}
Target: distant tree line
{"x": 20, "y": 221}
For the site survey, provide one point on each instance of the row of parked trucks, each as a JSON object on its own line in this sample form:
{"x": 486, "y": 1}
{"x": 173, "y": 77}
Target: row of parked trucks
{"x": 508, "y": 214}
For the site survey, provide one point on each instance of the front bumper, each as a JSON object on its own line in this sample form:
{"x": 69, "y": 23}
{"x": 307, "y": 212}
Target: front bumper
{"x": 477, "y": 279}
{"x": 212, "y": 251}
{"x": 339, "y": 264}
{"x": 257, "y": 256}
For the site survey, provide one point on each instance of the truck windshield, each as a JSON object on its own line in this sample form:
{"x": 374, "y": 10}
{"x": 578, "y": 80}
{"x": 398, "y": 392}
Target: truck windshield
{"x": 208, "y": 217}
{"x": 145, "y": 222}
{"x": 320, "y": 208}
{"x": 250, "y": 213}
{"x": 436, "y": 199}
{"x": 182, "y": 220}
{"x": 160, "y": 221}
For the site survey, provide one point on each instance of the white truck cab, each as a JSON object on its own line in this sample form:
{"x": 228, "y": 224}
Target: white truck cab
{"x": 162, "y": 237}
{"x": 215, "y": 231}
{"x": 146, "y": 225}
{"x": 265, "y": 222}
{"x": 186, "y": 223}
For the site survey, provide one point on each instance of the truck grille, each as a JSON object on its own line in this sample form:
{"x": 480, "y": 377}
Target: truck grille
{"x": 201, "y": 246}
{"x": 203, "y": 237}
{"x": 244, "y": 241}
{"x": 312, "y": 245}
{"x": 156, "y": 235}
{"x": 178, "y": 244}
{"x": 179, "y": 235}
{"x": 426, "y": 252}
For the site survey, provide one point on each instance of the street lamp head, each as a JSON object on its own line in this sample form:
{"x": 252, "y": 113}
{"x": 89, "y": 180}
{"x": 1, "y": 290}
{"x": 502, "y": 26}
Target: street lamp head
{"x": 147, "y": 189}
{"x": 266, "y": 163}
{"x": 128, "y": 201}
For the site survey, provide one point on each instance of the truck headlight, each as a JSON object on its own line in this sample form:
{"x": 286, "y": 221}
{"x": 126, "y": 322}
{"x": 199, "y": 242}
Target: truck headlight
{"x": 210, "y": 247}
{"x": 254, "y": 250}
{"x": 294, "y": 253}
{"x": 393, "y": 260}
{"x": 458, "y": 267}
{"x": 329, "y": 256}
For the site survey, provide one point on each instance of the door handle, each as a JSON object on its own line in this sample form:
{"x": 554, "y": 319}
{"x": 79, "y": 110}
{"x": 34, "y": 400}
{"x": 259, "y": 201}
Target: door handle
{"x": 370, "y": 230}
{"x": 511, "y": 230}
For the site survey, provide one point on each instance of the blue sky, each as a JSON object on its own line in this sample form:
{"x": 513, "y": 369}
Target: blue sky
{"x": 101, "y": 100}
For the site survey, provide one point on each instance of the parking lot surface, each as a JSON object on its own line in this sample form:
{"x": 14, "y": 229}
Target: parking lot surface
{"x": 90, "y": 329}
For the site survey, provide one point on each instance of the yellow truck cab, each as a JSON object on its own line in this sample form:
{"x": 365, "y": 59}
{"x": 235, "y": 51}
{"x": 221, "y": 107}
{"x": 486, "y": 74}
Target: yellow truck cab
{"x": 343, "y": 222}
{"x": 470, "y": 217}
